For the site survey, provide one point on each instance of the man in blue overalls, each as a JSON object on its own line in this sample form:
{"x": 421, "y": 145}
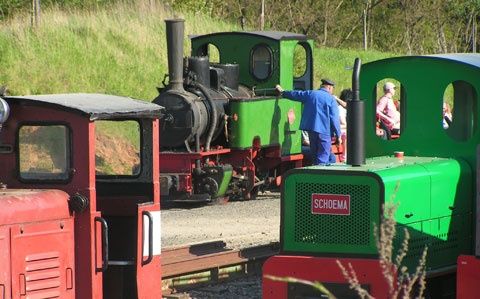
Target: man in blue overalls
{"x": 320, "y": 119}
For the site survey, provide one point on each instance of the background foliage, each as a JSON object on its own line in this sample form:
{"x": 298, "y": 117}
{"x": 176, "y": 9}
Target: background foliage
{"x": 402, "y": 26}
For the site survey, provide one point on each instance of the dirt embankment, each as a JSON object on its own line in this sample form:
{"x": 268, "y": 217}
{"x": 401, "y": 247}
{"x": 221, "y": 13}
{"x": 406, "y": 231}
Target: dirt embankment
{"x": 115, "y": 156}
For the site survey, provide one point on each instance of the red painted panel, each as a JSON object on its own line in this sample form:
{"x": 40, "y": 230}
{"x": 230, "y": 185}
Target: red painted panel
{"x": 148, "y": 252}
{"x": 19, "y": 206}
{"x": 43, "y": 253}
{"x": 156, "y": 161}
{"x": 4, "y": 262}
{"x": 322, "y": 269}
{"x": 468, "y": 277}
{"x": 330, "y": 204}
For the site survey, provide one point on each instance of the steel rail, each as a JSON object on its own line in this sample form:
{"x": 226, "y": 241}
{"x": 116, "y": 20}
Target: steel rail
{"x": 209, "y": 256}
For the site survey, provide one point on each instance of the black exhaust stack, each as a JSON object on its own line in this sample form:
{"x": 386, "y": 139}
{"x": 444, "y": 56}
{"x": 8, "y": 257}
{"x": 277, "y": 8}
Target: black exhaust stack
{"x": 175, "y": 32}
{"x": 355, "y": 121}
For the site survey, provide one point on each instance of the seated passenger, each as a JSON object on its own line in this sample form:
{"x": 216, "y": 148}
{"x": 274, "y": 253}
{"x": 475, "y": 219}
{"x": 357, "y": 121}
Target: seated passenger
{"x": 345, "y": 95}
{"x": 387, "y": 113}
{"x": 447, "y": 116}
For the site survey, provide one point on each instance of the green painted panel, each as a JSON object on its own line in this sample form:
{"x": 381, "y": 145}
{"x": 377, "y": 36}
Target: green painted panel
{"x": 446, "y": 238}
{"x": 227, "y": 176}
{"x": 452, "y": 187}
{"x": 303, "y": 231}
{"x": 287, "y": 50}
{"x": 413, "y": 193}
{"x": 268, "y": 120}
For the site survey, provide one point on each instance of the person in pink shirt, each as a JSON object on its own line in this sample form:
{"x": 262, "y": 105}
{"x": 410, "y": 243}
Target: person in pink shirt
{"x": 387, "y": 111}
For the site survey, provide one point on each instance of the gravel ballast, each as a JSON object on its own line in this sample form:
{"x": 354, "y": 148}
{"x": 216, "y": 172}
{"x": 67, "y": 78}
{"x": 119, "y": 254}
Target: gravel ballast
{"x": 239, "y": 224}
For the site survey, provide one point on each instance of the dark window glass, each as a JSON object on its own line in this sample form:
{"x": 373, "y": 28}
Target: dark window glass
{"x": 261, "y": 62}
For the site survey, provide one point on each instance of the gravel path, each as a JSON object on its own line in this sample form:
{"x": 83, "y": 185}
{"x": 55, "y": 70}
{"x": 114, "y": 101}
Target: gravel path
{"x": 239, "y": 224}
{"x": 245, "y": 288}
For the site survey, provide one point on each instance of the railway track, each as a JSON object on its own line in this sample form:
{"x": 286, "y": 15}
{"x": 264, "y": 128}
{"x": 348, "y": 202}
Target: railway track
{"x": 190, "y": 266}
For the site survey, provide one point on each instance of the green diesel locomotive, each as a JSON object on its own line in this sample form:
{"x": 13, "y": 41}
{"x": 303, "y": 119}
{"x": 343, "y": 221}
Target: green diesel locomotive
{"x": 329, "y": 213}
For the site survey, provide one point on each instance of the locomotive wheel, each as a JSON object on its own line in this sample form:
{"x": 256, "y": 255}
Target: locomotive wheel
{"x": 252, "y": 195}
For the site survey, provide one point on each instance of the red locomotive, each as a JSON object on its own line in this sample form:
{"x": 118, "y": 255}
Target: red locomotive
{"x": 68, "y": 228}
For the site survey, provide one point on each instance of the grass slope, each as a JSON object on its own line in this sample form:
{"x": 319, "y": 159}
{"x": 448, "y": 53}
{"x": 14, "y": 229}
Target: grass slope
{"x": 120, "y": 50}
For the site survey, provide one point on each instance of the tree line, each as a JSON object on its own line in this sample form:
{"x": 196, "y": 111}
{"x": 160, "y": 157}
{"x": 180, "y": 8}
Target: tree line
{"x": 400, "y": 26}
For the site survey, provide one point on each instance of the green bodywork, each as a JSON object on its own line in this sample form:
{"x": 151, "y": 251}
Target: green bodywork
{"x": 225, "y": 180}
{"x": 434, "y": 184}
{"x": 435, "y": 205}
{"x": 264, "y": 118}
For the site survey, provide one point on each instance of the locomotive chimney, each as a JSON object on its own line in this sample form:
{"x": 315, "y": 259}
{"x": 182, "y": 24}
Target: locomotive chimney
{"x": 355, "y": 121}
{"x": 175, "y": 33}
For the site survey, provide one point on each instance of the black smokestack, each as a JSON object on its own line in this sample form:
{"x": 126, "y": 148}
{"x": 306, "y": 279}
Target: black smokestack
{"x": 175, "y": 53}
{"x": 355, "y": 121}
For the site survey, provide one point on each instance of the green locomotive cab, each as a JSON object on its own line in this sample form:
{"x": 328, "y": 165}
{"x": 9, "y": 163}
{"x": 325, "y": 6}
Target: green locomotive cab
{"x": 329, "y": 212}
{"x": 265, "y": 59}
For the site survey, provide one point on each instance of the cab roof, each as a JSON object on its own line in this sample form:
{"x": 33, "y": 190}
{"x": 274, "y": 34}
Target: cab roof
{"x": 466, "y": 58}
{"x": 471, "y": 59}
{"x": 275, "y": 35}
{"x": 94, "y": 106}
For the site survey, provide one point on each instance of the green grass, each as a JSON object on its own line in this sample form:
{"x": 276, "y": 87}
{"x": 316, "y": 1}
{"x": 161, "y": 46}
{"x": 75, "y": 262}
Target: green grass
{"x": 120, "y": 50}
{"x": 337, "y": 64}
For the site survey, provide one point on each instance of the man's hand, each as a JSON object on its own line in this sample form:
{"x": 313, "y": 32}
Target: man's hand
{"x": 279, "y": 90}
{"x": 338, "y": 140}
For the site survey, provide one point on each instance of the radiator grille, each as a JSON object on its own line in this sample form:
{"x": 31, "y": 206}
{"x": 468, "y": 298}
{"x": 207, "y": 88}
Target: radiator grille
{"x": 354, "y": 229}
{"x": 42, "y": 275}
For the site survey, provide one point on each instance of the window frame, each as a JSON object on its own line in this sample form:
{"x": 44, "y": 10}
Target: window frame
{"x": 271, "y": 68}
{"x": 307, "y": 60}
{"x": 112, "y": 177}
{"x": 69, "y": 151}
{"x": 459, "y": 120}
{"x": 203, "y": 51}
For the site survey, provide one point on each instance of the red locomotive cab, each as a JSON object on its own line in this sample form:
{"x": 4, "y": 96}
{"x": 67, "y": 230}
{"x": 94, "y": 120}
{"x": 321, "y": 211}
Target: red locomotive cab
{"x": 99, "y": 155}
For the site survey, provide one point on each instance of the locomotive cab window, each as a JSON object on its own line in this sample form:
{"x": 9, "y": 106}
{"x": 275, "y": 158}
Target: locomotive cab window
{"x": 261, "y": 62}
{"x": 44, "y": 152}
{"x": 390, "y": 97}
{"x": 211, "y": 51}
{"x": 302, "y": 67}
{"x": 459, "y": 110}
{"x": 117, "y": 148}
